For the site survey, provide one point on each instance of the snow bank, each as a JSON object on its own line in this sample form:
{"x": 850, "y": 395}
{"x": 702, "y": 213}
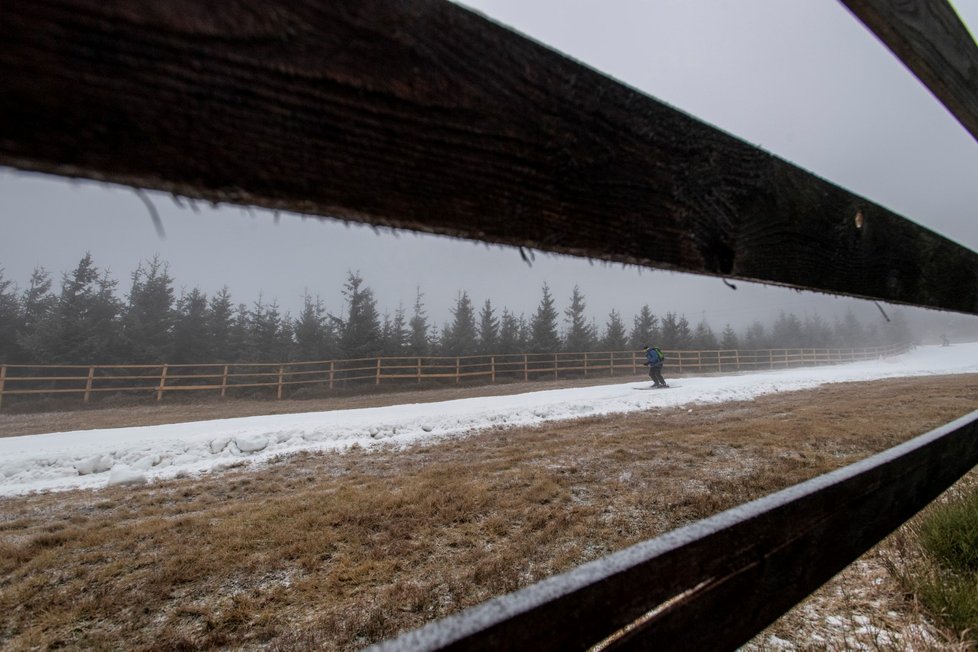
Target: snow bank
{"x": 127, "y": 456}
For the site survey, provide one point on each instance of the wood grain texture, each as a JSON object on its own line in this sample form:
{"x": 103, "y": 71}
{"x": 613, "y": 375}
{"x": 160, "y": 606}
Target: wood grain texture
{"x": 930, "y": 40}
{"x": 422, "y": 115}
{"x": 714, "y": 584}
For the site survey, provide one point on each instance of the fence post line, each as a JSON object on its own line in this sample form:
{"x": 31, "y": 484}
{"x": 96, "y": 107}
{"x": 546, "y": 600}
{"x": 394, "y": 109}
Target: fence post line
{"x": 159, "y": 390}
{"x": 88, "y": 383}
{"x": 492, "y": 368}
{"x": 224, "y": 382}
{"x": 3, "y": 377}
{"x": 378, "y": 372}
{"x": 281, "y": 369}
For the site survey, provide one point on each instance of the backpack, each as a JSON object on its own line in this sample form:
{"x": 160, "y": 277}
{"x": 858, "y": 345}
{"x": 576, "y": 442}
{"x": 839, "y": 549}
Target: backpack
{"x": 662, "y": 357}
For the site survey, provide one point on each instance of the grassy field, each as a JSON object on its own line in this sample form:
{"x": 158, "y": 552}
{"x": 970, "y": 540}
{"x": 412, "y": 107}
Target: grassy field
{"x": 336, "y": 551}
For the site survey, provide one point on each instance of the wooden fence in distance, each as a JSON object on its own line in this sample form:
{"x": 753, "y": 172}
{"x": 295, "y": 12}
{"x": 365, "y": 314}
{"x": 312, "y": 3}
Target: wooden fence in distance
{"x": 283, "y": 378}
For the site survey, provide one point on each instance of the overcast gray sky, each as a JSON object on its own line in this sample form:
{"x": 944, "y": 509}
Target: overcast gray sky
{"x": 801, "y": 78}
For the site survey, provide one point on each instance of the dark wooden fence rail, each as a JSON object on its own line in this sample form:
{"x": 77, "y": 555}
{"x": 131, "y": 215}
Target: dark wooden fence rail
{"x": 283, "y": 378}
{"x": 421, "y": 115}
{"x": 712, "y": 585}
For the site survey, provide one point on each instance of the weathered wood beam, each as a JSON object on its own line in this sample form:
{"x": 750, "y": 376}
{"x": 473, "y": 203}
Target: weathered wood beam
{"x": 422, "y": 115}
{"x": 714, "y": 584}
{"x": 930, "y": 40}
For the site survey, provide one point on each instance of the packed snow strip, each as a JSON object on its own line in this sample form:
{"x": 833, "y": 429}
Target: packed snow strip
{"x": 125, "y": 456}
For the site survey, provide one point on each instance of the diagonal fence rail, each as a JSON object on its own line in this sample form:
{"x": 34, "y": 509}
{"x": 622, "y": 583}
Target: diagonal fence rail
{"x": 712, "y": 585}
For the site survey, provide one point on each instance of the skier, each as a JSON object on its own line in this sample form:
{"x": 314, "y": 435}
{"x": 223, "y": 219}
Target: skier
{"x": 654, "y": 359}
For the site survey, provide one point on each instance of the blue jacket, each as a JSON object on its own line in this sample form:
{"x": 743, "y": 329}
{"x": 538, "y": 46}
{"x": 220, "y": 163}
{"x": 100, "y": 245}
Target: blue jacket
{"x": 653, "y": 358}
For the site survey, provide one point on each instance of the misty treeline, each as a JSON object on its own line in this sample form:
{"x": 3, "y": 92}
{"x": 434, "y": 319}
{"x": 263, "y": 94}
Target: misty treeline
{"x": 85, "y": 321}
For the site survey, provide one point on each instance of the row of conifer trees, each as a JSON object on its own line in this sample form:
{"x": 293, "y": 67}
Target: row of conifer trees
{"x": 85, "y": 321}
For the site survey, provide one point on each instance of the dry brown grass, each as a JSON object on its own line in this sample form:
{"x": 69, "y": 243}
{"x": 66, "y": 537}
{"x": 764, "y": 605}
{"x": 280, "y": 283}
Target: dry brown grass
{"x": 336, "y": 551}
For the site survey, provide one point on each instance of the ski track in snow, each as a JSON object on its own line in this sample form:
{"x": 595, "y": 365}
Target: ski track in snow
{"x": 137, "y": 455}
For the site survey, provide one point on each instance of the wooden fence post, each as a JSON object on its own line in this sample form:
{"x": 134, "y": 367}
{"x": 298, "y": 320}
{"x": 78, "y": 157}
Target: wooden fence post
{"x": 458, "y": 364}
{"x": 281, "y": 370}
{"x": 378, "y": 372}
{"x": 224, "y": 382}
{"x": 611, "y": 363}
{"x": 526, "y": 368}
{"x": 555, "y": 366}
{"x": 585, "y": 364}
{"x": 332, "y": 373}
{"x": 3, "y": 377}
{"x": 492, "y": 368}
{"x": 88, "y": 383}
{"x": 159, "y": 390}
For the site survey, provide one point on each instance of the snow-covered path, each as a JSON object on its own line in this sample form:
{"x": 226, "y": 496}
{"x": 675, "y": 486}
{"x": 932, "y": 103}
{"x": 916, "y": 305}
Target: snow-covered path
{"x": 96, "y": 458}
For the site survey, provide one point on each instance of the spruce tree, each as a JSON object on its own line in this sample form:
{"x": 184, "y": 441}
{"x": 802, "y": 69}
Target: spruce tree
{"x": 787, "y": 332}
{"x": 148, "y": 322}
{"x": 238, "y": 335}
{"x": 756, "y": 337}
{"x": 523, "y": 333}
{"x": 312, "y": 332}
{"x": 675, "y": 332}
{"x": 10, "y": 321}
{"x": 37, "y": 305}
{"x": 645, "y": 330}
{"x": 615, "y": 338}
{"x": 728, "y": 339}
{"x": 62, "y": 336}
{"x": 849, "y": 333}
{"x": 816, "y": 333}
{"x": 359, "y": 330}
{"x": 190, "y": 341}
{"x": 488, "y": 330}
{"x": 419, "y": 339}
{"x": 267, "y": 338}
{"x": 543, "y": 326}
{"x": 579, "y": 336}
{"x": 459, "y": 338}
{"x": 509, "y": 334}
{"x": 703, "y": 338}
{"x": 395, "y": 333}
{"x": 218, "y": 328}
{"x": 104, "y": 328}
{"x": 285, "y": 342}
{"x": 83, "y": 326}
